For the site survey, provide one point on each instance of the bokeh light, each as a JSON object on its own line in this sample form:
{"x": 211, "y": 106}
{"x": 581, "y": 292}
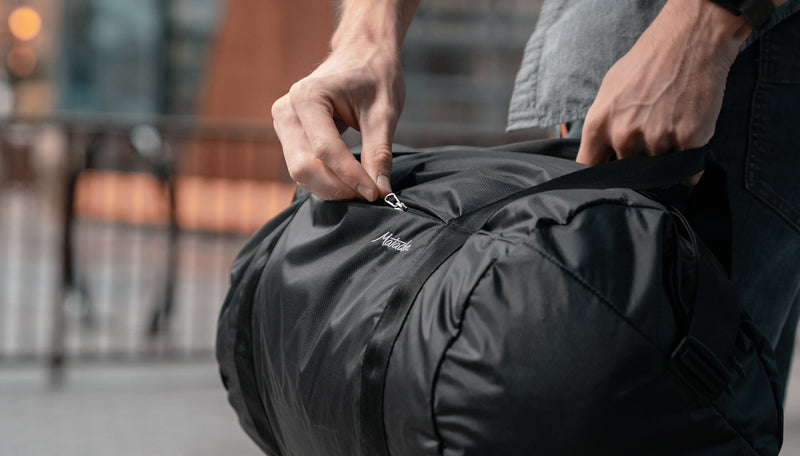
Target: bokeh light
{"x": 24, "y": 23}
{"x": 21, "y": 60}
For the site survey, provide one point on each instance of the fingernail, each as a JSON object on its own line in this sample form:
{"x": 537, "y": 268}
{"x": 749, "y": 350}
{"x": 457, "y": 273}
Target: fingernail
{"x": 383, "y": 184}
{"x": 366, "y": 192}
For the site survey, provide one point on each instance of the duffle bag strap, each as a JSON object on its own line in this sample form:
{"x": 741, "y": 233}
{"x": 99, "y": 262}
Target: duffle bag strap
{"x": 702, "y": 355}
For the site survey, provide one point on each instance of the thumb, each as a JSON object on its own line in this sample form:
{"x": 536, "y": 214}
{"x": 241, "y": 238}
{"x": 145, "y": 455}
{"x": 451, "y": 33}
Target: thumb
{"x": 376, "y": 156}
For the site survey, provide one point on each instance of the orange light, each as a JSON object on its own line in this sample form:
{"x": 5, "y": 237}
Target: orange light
{"x": 24, "y": 23}
{"x": 21, "y": 60}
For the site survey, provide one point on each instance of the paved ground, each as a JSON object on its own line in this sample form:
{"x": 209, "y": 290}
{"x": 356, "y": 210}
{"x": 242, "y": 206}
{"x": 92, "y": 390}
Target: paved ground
{"x": 119, "y": 410}
{"x": 153, "y": 410}
{"x": 107, "y": 408}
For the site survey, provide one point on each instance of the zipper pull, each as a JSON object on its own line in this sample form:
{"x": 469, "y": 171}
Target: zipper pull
{"x": 392, "y": 200}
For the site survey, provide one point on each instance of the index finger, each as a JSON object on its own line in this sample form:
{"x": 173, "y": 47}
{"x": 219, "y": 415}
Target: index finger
{"x": 594, "y": 148}
{"x": 327, "y": 146}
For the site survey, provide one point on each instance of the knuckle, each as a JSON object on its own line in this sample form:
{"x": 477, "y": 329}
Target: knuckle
{"x": 280, "y": 108}
{"x": 321, "y": 149}
{"x": 304, "y": 90}
{"x": 620, "y": 137}
{"x": 381, "y": 153}
{"x": 683, "y": 139}
{"x": 299, "y": 169}
{"x": 657, "y": 142}
{"x": 298, "y": 88}
{"x": 298, "y": 92}
{"x": 626, "y": 142}
{"x": 592, "y": 127}
{"x": 385, "y": 112}
{"x": 687, "y": 137}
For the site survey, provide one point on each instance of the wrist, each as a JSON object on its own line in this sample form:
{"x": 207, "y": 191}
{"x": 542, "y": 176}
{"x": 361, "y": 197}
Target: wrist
{"x": 373, "y": 23}
{"x": 716, "y": 29}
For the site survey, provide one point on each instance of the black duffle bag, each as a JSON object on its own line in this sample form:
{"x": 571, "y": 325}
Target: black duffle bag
{"x": 501, "y": 302}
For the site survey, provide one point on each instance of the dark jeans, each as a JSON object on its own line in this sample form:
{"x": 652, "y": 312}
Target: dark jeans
{"x": 757, "y": 142}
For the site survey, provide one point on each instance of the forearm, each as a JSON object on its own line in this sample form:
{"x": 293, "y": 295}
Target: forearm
{"x": 379, "y": 22}
{"x": 702, "y": 27}
{"x": 711, "y": 29}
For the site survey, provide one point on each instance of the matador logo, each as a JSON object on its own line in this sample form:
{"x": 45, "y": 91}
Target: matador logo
{"x": 389, "y": 240}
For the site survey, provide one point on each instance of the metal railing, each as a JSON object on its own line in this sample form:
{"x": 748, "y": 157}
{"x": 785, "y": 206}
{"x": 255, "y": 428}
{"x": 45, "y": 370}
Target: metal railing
{"x": 116, "y": 234}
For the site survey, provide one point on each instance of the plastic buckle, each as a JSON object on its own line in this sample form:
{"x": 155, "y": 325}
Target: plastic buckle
{"x": 700, "y": 368}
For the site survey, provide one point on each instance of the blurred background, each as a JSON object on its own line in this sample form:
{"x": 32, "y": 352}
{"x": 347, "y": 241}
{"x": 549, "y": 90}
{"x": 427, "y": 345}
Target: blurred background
{"x": 137, "y": 155}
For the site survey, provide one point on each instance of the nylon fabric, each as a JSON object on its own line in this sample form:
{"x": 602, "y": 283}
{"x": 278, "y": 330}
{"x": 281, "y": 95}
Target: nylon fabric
{"x": 537, "y": 311}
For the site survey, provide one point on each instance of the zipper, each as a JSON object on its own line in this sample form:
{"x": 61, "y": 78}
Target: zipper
{"x": 393, "y": 201}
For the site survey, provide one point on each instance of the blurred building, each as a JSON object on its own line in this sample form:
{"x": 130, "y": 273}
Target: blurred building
{"x": 262, "y": 47}
{"x": 460, "y": 59}
{"x": 143, "y": 57}
{"x": 215, "y": 58}
{"x": 233, "y": 58}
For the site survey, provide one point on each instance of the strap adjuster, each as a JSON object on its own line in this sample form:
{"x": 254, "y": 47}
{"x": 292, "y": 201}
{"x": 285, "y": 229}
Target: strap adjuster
{"x": 700, "y": 369}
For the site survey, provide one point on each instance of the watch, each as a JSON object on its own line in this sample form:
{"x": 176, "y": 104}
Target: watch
{"x": 757, "y": 12}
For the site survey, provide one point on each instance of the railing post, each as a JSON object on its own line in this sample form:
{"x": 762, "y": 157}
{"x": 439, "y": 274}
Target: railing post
{"x": 57, "y": 357}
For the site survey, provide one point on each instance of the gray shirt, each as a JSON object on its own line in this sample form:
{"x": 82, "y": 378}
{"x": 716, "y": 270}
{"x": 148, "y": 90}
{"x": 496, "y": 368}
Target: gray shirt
{"x": 572, "y": 48}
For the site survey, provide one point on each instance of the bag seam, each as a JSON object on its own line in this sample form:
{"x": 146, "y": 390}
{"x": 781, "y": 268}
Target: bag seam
{"x": 489, "y": 268}
{"x": 440, "y": 440}
{"x": 453, "y": 339}
{"x": 593, "y": 291}
{"x": 253, "y": 279}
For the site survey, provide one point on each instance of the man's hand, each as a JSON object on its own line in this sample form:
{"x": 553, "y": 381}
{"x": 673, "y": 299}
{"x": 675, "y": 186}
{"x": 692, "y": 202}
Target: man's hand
{"x": 362, "y": 89}
{"x": 666, "y": 93}
{"x": 359, "y": 85}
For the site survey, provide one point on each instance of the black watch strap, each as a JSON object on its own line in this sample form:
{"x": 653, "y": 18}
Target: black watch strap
{"x": 757, "y": 12}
